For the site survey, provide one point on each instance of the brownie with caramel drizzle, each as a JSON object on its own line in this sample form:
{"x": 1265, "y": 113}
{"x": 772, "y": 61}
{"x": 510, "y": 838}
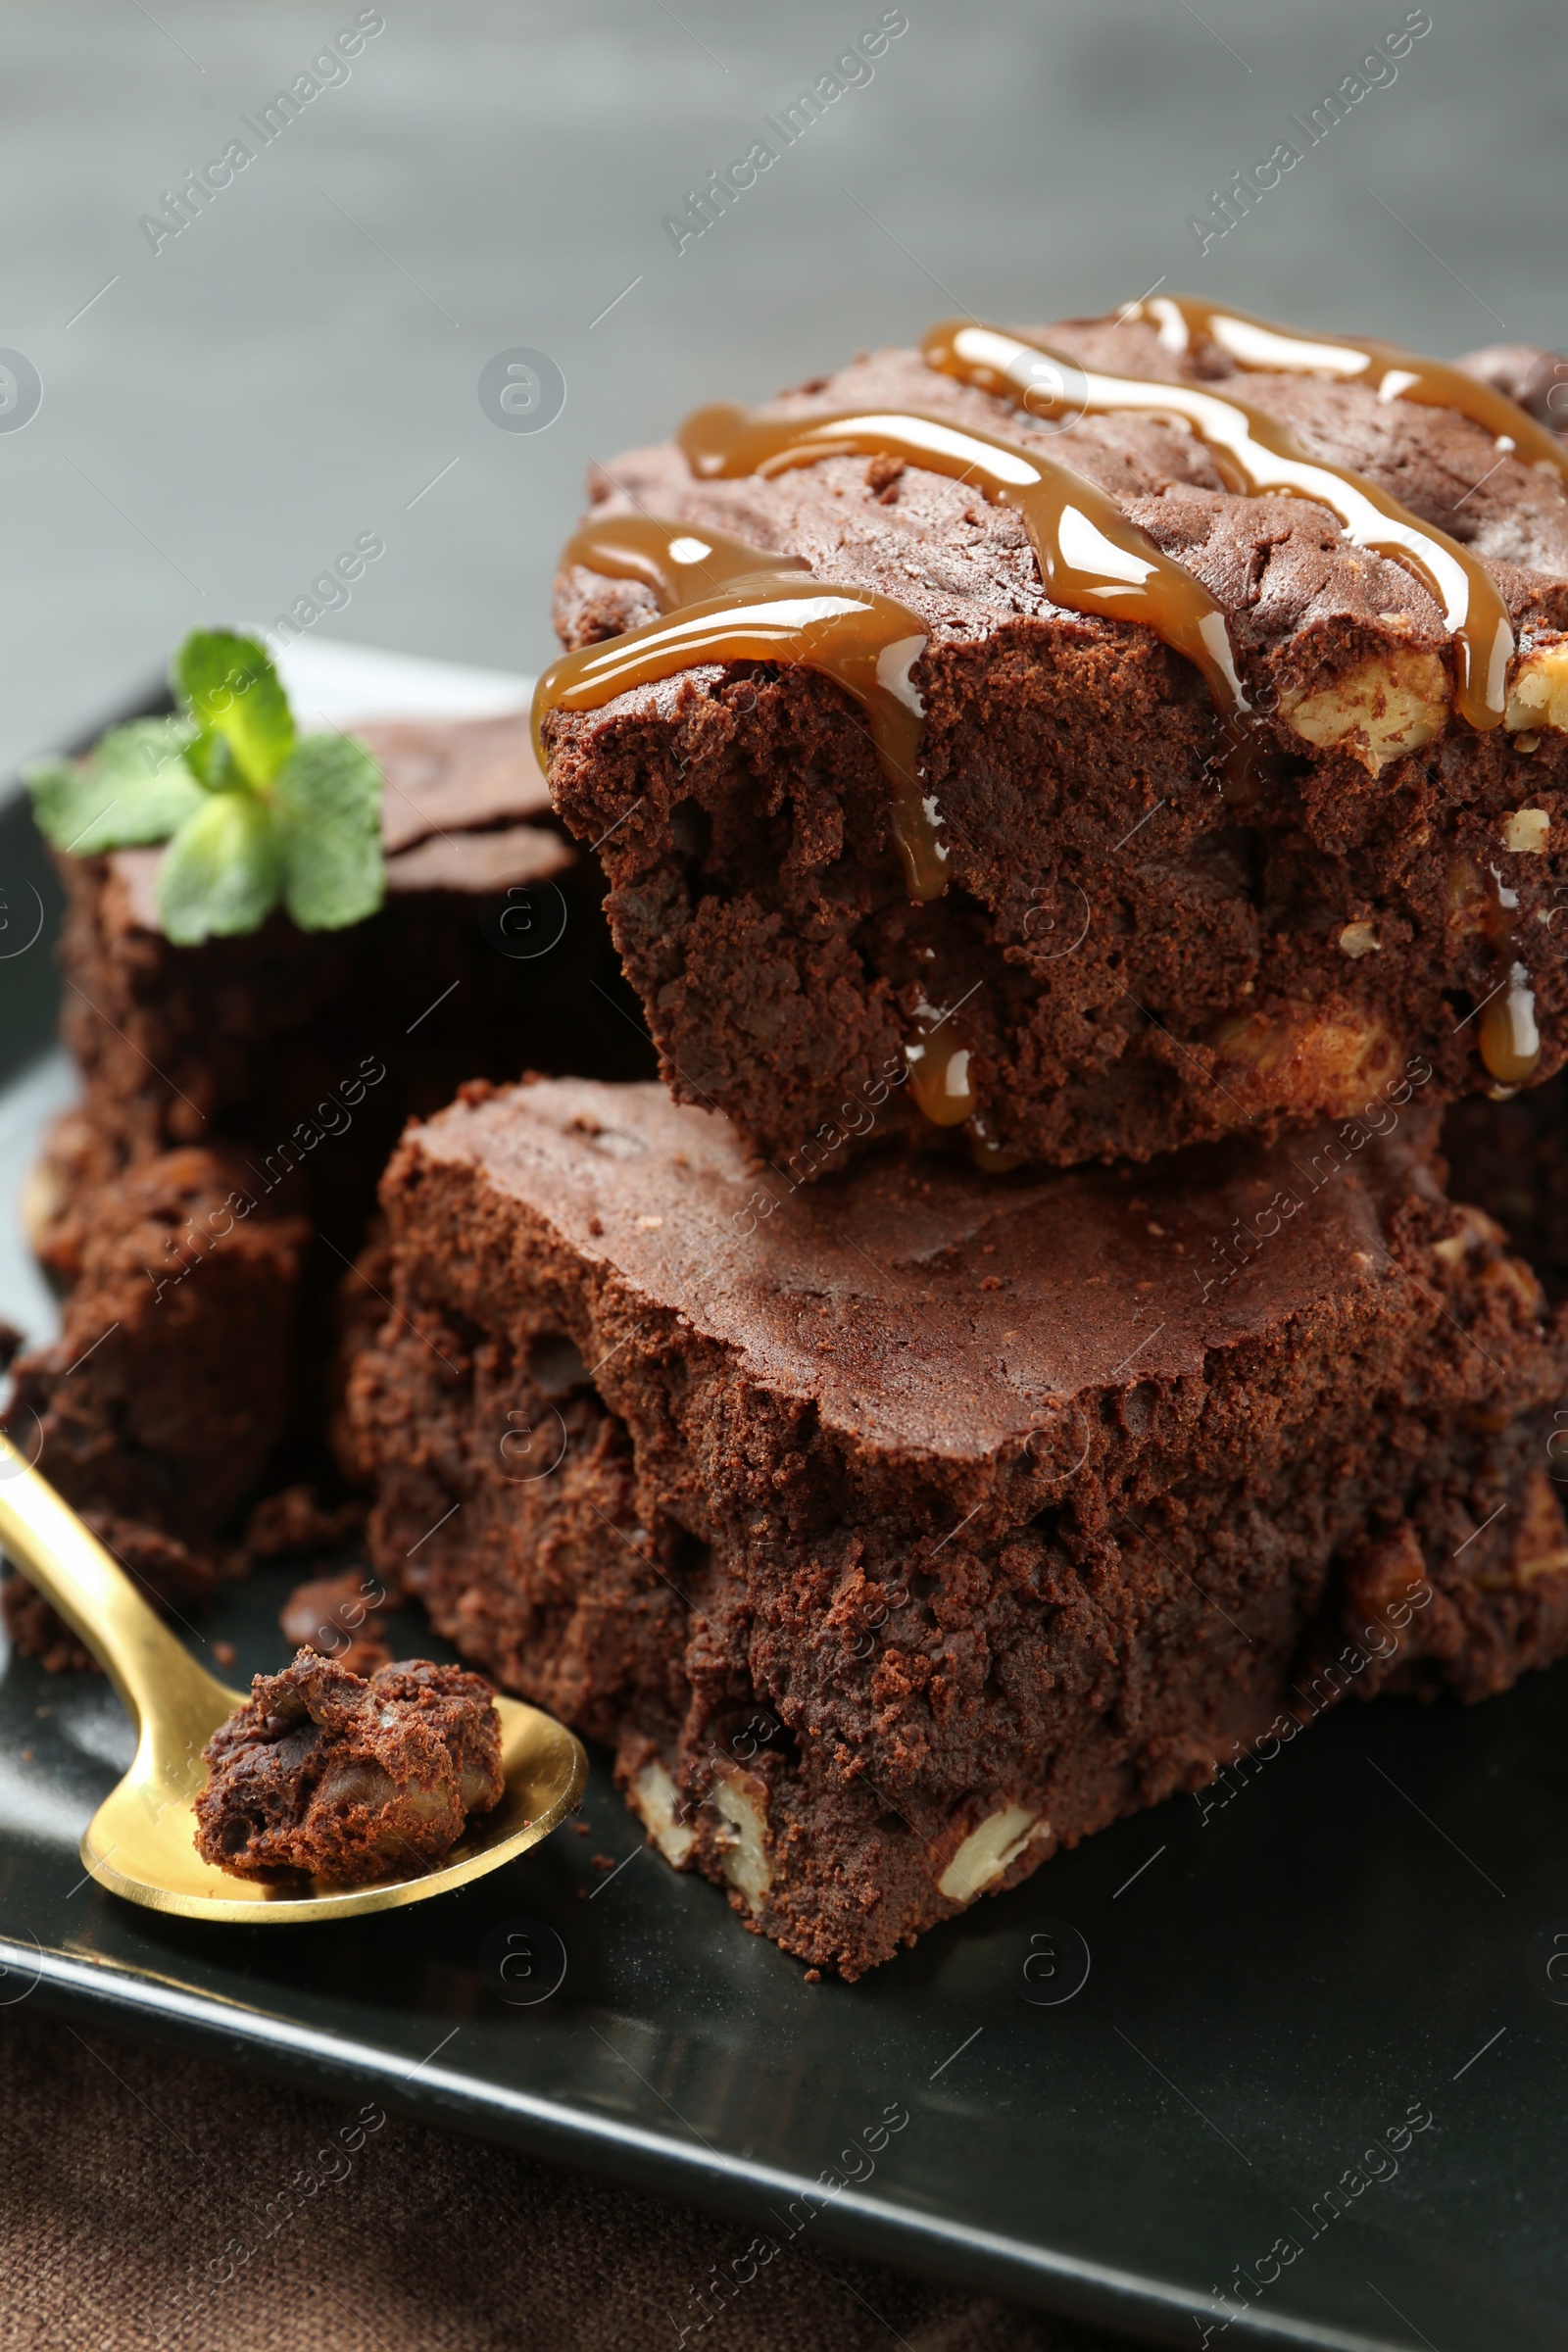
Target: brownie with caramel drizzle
{"x": 1127, "y": 732}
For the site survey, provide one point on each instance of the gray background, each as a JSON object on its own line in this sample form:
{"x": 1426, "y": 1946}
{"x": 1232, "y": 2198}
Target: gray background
{"x": 286, "y": 375}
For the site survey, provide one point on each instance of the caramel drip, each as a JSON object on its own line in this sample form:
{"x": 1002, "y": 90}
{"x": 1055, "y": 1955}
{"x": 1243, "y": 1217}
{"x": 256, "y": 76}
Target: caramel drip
{"x": 989, "y": 1156}
{"x": 676, "y": 560}
{"x": 939, "y": 1069}
{"x": 1511, "y": 1041}
{"x": 1183, "y": 321}
{"x": 1257, "y": 455}
{"x": 1091, "y": 558}
{"x": 754, "y": 605}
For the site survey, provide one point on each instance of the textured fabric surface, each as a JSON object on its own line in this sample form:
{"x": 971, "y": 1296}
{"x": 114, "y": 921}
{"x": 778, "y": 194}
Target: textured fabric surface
{"x": 148, "y": 2198}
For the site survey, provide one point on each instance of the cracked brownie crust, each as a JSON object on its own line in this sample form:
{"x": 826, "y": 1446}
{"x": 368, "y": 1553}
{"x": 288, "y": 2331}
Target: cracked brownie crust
{"x": 912, "y": 1527}
{"x": 1144, "y": 950}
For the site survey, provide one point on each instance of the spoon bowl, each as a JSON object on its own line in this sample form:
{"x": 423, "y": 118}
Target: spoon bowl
{"x": 141, "y": 1842}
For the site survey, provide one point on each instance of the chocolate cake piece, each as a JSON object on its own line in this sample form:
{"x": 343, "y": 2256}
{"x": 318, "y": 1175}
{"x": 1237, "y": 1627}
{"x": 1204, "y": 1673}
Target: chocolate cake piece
{"x": 291, "y": 1059}
{"x": 172, "y": 1377}
{"x": 1152, "y": 932}
{"x": 901, "y": 1530}
{"x": 309, "y": 1049}
{"x": 348, "y": 1780}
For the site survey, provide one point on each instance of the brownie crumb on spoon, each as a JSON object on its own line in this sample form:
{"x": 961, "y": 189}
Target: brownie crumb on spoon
{"x": 345, "y": 1778}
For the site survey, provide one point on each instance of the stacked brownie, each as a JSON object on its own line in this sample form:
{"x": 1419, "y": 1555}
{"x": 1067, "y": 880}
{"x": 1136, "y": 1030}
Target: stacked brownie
{"x": 1034, "y": 1356}
{"x": 903, "y": 1527}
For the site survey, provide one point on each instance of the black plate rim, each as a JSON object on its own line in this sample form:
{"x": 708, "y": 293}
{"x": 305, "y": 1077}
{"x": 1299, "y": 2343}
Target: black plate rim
{"x": 1159, "y": 2310}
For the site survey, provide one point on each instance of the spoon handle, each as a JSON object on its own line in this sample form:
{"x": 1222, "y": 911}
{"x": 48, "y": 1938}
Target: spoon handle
{"x": 92, "y": 1592}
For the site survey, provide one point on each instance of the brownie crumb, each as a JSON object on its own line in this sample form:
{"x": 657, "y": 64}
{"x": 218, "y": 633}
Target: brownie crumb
{"x": 813, "y": 1975}
{"x": 294, "y": 1520}
{"x": 882, "y": 476}
{"x": 38, "y": 1632}
{"x": 168, "y": 1571}
{"x": 225, "y": 1653}
{"x": 602, "y": 1861}
{"x": 340, "y": 1617}
{"x": 348, "y": 1780}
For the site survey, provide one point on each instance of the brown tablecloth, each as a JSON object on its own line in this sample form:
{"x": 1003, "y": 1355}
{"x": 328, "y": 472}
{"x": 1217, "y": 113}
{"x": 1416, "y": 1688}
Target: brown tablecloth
{"x": 148, "y": 2198}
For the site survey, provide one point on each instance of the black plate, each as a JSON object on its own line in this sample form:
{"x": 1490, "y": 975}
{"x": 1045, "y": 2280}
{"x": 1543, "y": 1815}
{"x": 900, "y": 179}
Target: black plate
{"x": 1371, "y": 1928}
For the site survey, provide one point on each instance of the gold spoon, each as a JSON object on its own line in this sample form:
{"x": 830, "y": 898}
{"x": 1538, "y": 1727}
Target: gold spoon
{"x": 142, "y": 1841}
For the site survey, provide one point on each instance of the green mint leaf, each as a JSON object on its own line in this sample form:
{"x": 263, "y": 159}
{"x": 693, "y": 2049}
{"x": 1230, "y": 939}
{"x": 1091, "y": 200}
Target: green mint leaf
{"x": 223, "y": 870}
{"x": 135, "y": 789}
{"x": 212, "y": 763}
{"x": 234, "y": 693}
{"x": 328, "y": 799}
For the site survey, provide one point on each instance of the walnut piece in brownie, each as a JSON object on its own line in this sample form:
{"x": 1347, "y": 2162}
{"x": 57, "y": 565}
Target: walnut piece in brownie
{"x": 1138, "y": 944}
{"x": 902, "y": 1530}
{"x": 348, "y": 1780}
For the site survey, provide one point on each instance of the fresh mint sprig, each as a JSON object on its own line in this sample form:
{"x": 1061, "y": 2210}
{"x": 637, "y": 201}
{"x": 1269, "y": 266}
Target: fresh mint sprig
{"x": 255, "y": 814}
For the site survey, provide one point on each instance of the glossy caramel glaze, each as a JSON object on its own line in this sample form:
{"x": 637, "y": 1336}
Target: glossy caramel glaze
{"x": 1511, "y": 1041}
{"x": 676, "y": 563}
{"x": 1256, "y": 456}
{"x": 751, "y": 605}
{"x": 1185, "y": 323}
{"x": 1091, "y": 558}
{"x": 938, "y": 1063}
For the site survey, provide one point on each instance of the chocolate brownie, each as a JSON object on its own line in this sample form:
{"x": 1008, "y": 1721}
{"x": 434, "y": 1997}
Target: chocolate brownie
{"x": 309, "y": 1049}
{"x": 901, "y": 1530}
{"x": 347, "y": 1780}
{"x": 197, "y": 1356}
{"x": 165, "y": 1395}
{"x": 1175, "y": 883}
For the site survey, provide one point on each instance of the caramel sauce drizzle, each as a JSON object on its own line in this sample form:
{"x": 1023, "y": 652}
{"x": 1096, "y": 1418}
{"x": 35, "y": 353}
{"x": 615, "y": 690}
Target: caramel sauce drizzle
{"x": 1091, "y": 558}
{"x": 1256, "y": 456}
{"x": 727, "y": 600}
{"x": 939, "y": 1069}
{"x": 1183, "y": 320}
{"x": 1507, "y": 1032}
{"x": 1511, "y": 1041}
